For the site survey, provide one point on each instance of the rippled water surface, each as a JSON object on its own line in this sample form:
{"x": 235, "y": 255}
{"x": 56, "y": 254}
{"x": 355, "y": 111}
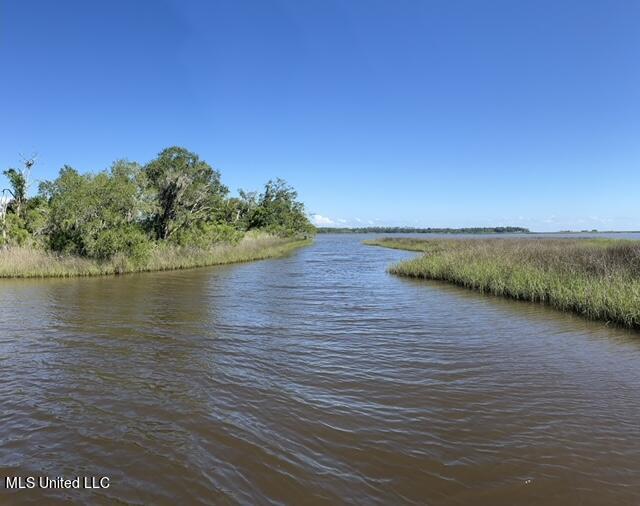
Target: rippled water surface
{"x": 313, "y": 379}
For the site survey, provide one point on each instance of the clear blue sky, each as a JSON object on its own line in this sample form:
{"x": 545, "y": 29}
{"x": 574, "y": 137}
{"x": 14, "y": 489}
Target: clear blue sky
{"x": 424, "y": 113}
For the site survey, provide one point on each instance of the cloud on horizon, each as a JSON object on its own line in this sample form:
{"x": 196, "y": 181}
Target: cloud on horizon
{"x": 320, "y": 221}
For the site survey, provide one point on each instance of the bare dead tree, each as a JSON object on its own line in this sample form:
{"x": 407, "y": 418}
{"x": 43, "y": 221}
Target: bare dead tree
{"x": 28, "y": 163}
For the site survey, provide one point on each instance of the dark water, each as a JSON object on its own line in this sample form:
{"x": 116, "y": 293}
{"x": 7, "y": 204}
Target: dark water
{"x": 314, "y": 379}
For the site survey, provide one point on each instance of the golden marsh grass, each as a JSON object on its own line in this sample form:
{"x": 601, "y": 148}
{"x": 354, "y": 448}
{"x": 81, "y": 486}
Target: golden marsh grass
{"x": 34, "y": 263}
{"x": 596, "y": 278}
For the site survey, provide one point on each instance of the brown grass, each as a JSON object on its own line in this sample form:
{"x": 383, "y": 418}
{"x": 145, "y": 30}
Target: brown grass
{"x": 33, "y": 263}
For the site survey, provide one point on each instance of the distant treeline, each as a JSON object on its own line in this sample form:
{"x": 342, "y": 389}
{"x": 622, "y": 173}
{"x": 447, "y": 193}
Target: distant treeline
{"x": 411, "y": 230}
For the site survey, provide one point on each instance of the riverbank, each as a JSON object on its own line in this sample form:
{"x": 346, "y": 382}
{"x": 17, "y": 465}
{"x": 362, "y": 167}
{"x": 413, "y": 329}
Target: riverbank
{"x": 33, "y": 263}
{"x": 595, "y": 278}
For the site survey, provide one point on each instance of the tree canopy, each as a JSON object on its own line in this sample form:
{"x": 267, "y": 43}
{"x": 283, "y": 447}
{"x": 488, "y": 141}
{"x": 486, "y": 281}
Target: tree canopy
{"x": 176, "y": 198}
{"x": 187, "y": 191}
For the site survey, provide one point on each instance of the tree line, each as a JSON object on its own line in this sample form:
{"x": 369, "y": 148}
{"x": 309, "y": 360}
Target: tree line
{"x": 412, "y": 230}
{"x": 177, "y": 198}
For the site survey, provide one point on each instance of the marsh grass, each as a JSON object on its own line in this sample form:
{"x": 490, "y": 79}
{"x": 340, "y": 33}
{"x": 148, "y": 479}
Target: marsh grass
{"x": 596, "y": 278}
{"x": 33, "y": 263}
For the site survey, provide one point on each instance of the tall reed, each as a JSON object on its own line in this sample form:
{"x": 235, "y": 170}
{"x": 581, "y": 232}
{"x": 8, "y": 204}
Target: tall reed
{"x": 596, "y": 278}
{"x": 33, "y": 263}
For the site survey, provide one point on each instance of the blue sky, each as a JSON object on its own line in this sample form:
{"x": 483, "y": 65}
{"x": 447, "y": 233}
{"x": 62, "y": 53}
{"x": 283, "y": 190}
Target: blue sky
{"x": 423, "y": 113}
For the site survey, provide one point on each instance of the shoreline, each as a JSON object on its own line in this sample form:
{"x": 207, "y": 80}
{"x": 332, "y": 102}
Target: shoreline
{"x": 325, "y": 230}
{"x": 27, "y": 263}
{"x": 597, "y": 279}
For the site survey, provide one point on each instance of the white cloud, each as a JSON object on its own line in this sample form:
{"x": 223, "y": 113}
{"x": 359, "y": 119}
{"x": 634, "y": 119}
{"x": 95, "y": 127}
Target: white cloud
{"x": 598, "y": 219}
{"x": 319, "y": 220}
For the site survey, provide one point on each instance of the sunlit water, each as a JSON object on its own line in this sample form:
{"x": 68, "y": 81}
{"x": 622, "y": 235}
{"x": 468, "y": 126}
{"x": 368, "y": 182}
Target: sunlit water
{"x": 312, "y": 379}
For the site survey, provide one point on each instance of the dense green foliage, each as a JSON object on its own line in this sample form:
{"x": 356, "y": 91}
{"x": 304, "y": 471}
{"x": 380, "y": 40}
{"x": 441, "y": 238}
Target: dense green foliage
{"x": 411, "y": 230}
{"x": 186, "y": 191}
{"x": 596, "y": 278}
{"x": 277, "y": 210}
{"x": 96, "y": 215}
{"x": 18, "y": 189}
{"x": 130, "y": 210}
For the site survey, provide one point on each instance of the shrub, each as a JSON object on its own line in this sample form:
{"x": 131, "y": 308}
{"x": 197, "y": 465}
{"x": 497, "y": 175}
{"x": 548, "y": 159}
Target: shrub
{"x": 205, "y": 235}
{"x": 127, "y": 240}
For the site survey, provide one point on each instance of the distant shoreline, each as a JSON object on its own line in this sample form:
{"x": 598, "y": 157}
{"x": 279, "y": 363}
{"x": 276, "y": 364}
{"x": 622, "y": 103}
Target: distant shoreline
{"x": 411, "y": 230}
{"x": 469, "y": 231}
{"x": 590, "y": 232}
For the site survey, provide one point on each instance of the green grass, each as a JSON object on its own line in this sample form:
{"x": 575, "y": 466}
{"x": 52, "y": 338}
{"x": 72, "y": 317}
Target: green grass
{"x": 34, "y": 263}
{"x": 596, "y": 278}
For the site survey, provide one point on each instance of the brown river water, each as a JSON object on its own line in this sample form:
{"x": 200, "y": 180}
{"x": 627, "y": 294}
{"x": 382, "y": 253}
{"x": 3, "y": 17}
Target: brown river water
{"x": 313, "y": 379}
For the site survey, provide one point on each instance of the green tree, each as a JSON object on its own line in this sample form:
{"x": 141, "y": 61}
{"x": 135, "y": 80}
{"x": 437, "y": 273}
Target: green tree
{"x": 18, "y": 189}
{"x": 27, "y": 228}
{"x": 277, "y": 210}
{"x": 17, "y": 211}
{"x": 97, "y": 215}
{"x": 187, "y": 191}
{"x": 238, "y": 211}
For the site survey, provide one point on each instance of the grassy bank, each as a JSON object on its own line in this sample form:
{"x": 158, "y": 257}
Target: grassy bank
{"x": 32, "y": 263}
{"x": 596, "y": 278}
